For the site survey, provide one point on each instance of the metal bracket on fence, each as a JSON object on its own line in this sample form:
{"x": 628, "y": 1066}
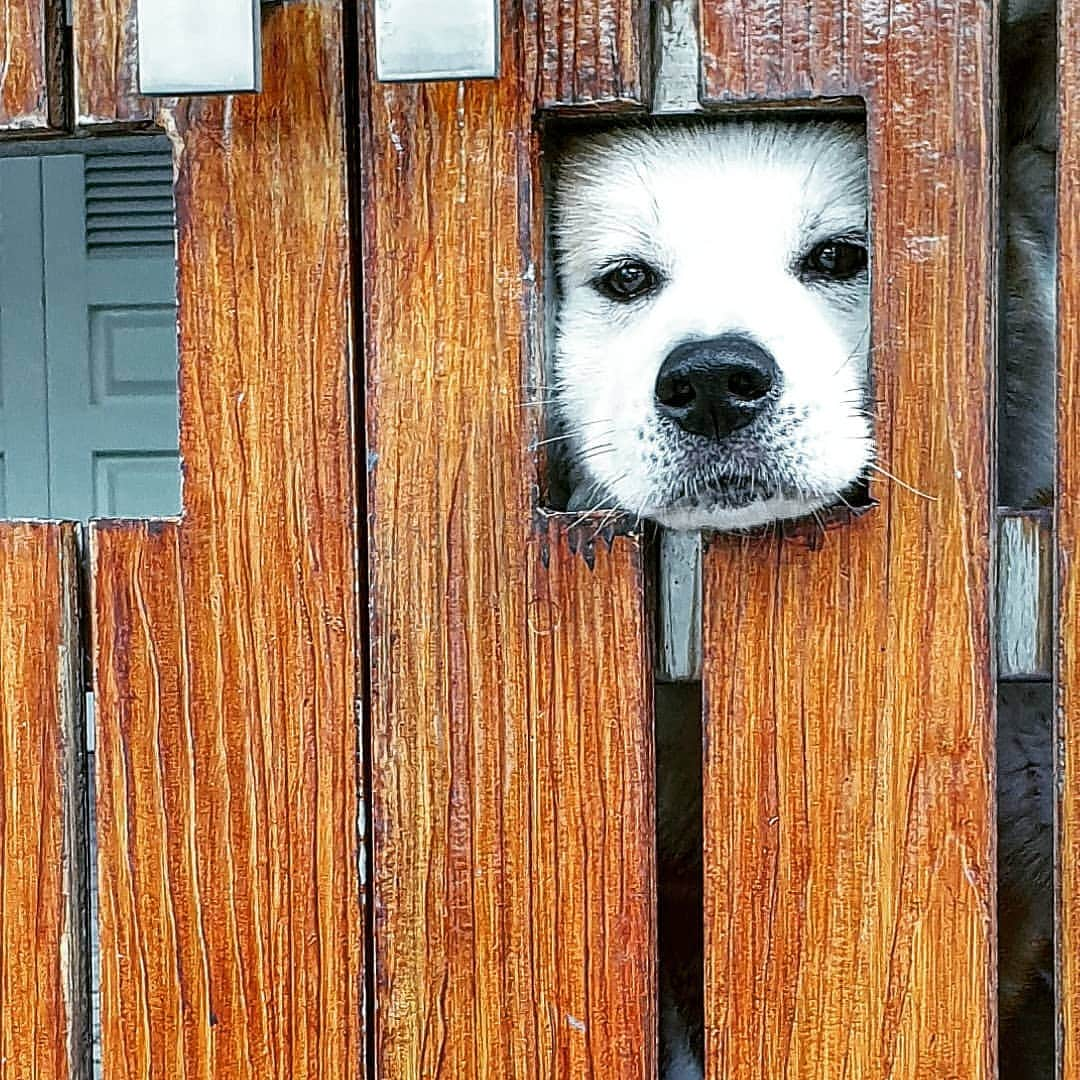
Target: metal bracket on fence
{"x": 199, "y": 47}
{"x": 420, "y": 40}
{"x": 1025, "y": 600}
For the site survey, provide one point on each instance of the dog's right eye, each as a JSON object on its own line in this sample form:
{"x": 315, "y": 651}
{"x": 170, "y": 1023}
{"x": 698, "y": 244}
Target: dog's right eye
{"x": 627, "y": 281}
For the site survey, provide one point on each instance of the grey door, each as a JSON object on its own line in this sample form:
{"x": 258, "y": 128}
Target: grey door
{"x": 94, "y": 360}
{"x": 24, "y": 454}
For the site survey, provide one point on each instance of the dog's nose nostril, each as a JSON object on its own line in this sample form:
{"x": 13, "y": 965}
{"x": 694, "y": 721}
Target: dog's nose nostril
{"x": 716, "y": 386}
{"x": 678, "y": 393}
{"x": 749, "y": 383}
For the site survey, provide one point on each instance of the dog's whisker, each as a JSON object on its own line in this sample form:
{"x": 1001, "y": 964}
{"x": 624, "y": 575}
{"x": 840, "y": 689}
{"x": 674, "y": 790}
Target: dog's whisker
{"x": 896, "y": 480}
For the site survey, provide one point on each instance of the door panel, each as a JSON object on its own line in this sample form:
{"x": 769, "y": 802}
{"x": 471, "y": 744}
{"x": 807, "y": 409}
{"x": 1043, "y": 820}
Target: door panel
{"x": 24, "y": 464}
{"x": 111, "y": 332}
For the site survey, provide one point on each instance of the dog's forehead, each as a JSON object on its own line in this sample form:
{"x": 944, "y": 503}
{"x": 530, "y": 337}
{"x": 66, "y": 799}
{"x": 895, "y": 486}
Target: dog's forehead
{"x": 710, "y": 183}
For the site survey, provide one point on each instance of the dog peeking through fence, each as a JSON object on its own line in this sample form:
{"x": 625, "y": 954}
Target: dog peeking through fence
{"x": 711, "y": 371}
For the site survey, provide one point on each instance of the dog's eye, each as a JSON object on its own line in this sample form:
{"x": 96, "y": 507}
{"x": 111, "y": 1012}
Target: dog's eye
{"x": 835, "y": 259}
{"x": 627, "y": 281}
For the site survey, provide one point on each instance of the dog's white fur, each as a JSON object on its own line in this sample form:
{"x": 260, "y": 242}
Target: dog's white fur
{"x": 724, "y": 212}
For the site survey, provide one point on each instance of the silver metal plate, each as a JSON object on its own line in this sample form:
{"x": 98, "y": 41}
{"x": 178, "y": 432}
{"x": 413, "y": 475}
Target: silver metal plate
{"x": 199, "y": 47}
{"x": 420, "y": 40}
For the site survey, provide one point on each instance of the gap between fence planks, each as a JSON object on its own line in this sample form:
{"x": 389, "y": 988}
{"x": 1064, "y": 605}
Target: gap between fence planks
{"x": 849, "y": 738}
{"x": 227, "y": 644}
{"x": 44, "y": 897}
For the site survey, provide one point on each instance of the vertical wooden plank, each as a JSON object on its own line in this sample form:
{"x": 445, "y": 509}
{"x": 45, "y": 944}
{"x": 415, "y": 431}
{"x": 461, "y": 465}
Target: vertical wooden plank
{"x": 483, "y": 806}
{"x": 592, "y": 51}
{"x": 849, "y": 803}
{"x": 758, "y": 50}
{"x": 106, "y": 65}
{"x": 31, "y": 75}
{"x": 1067, "y": 519}
{"x": 44, "y": 900}
{"x": 153, "y": 945}
{"x": 227, "y": 644}
{"x": 592, "y": 814}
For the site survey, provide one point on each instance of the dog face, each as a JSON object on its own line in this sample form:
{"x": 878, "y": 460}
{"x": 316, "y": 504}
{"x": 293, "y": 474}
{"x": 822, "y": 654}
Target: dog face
{"x": 712, "y": 337}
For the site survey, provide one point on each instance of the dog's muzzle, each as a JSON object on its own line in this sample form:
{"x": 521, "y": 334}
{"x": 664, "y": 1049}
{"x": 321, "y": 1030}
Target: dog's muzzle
{"x": 716, "y": 386}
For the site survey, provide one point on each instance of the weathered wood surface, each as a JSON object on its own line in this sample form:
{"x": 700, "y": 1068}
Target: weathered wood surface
{"x": 31, "y": 71}
{"x": 44, "y": 980}
{"x": 1025, "y": 596}
{"x": 591, "y": 770}
{"x": 511, "y": 730}
{"x": 226, "y": 645}
{"x": 1067, "y": 509}
{"x": 848, "y": 794}
{"x": 593, "y": 52}
{"x": 106, "y": 66}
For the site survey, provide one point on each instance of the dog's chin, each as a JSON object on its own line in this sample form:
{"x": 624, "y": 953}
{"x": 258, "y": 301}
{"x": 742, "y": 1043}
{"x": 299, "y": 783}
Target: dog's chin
{"x": 723, "y": 516}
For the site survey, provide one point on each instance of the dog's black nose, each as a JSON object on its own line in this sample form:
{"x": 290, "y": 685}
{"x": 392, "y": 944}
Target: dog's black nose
{"x": 716, "y": 386}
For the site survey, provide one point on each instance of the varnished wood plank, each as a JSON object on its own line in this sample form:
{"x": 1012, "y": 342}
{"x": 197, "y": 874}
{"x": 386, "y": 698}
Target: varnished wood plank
{"x": 31, "y": 75}
{"x": 592, "y": 770}
{"x": 476, "y": 820}
{"x": 44, "y": 898}
{"x": 849, "y": 837}
{"x": 1067, "y": 512}
{"x": 106, "y": 65}
{"x": 592, "y": 51}
{"x": 780, "y": 49}
{"x": 227, "y": 645}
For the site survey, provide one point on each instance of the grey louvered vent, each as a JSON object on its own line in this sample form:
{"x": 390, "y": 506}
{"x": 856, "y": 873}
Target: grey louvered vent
{"x": 129, "y": 202}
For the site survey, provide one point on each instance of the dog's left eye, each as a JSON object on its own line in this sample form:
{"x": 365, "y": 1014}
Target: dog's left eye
{"x": 627, "y": 281}
{"x": 835, "y": 259}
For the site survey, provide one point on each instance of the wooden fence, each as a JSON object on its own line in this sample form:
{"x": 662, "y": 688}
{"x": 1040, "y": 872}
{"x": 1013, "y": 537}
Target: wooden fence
{"x": 375, "y": 765}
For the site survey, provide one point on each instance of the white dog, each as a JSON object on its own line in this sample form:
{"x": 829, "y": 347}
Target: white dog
{"x": 711, "y": 371}
{"x": 711, "y": 357}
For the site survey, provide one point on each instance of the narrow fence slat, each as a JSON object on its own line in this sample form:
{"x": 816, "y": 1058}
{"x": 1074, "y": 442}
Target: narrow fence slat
{"x": 592, "y": 806}
{"x": 482, "y": 810}
{"x": 848, "y": 793}
{"x": 31, "y": 75}
{"x": 44, "y": 897}
{"x": 153, "y": 952}
{"x": 1067, "y": 510}
{"x": 592, "y": 51}
{"x": 227, "y": 644}
{"x": 106, "y": 89}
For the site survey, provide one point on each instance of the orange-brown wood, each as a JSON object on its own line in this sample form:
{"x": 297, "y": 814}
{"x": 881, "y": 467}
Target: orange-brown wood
{"x": 226, "y": 645}
{"x": 31, "y": 74}
{"x": 591, "y": 819}
{"x": 592, "y": 51}
{"x": 106, "y": 65}
{"x": 849, "y": 813}
{"x": 44, "y": 900}
{"x": 513, "y": 884}
{"x": 1067, "y": 511}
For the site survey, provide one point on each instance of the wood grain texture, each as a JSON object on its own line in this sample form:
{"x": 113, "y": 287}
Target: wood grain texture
{"x": 592, "y": 769}
{"x": 44, "y": 899}
{"x": 106, "y": 66}
{"x": 31, "y": 71}
{"x": 591, "y": 51}
{"x": 772, "y": 50}
{"x": 527, "y": 880}
{"x": 1067, "y": 515}
{"x": 226, "y": 646}
{"x": 850, "y": 852}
